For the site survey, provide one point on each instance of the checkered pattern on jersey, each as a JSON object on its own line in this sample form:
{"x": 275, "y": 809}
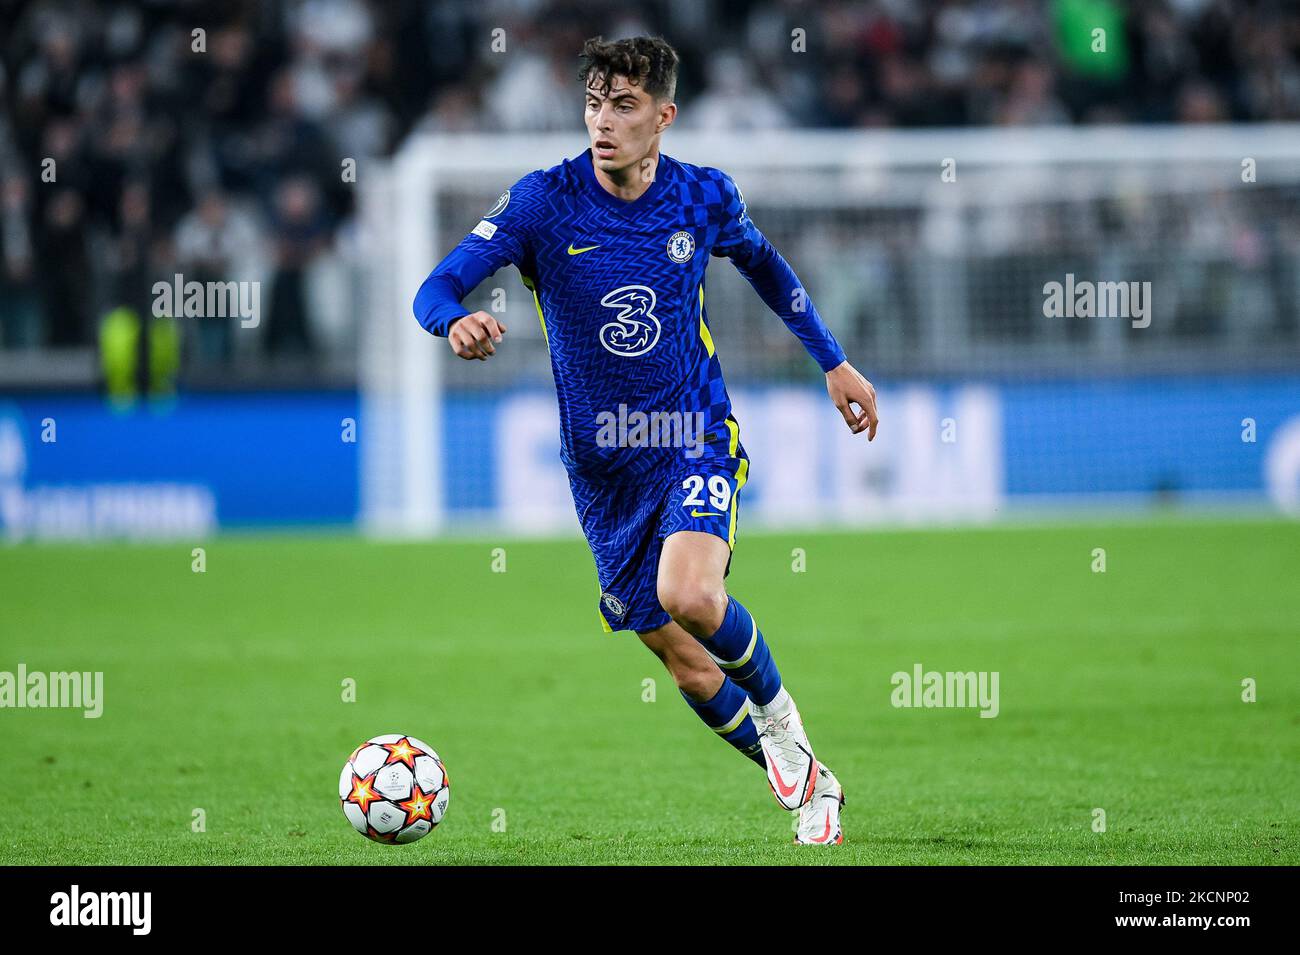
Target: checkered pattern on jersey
{"x": 619, "y": 288}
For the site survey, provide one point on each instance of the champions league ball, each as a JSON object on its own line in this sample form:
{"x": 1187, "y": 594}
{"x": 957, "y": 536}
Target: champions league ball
{"x": 394, "y": 789}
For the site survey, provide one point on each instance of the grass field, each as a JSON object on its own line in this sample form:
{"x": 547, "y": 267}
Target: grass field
{"x": 1118, "y": 690}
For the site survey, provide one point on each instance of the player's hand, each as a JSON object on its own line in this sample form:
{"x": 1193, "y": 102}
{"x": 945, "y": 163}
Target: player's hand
{"x": 847, "y": 388}
{"x": 472, "y": 336}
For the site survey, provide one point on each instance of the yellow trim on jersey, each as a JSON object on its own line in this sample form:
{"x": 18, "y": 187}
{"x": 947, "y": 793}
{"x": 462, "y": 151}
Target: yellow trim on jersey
{"x": 704, "y": 329}
{"x": 742, "y": 475}
{"x": 532, "y": 287}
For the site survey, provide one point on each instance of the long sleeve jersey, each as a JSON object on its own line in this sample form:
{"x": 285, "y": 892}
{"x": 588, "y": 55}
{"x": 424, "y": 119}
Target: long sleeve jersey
{"x": 619, "y": 290}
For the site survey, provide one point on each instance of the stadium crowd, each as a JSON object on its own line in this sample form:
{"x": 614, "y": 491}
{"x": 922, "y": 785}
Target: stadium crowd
{"x": 218, "y": 153}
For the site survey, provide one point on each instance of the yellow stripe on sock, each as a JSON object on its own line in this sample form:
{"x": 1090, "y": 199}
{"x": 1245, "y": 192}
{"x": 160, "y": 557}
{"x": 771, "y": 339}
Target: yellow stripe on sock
{"x": 749, "y": 651}
{"x": 735, "y": 721}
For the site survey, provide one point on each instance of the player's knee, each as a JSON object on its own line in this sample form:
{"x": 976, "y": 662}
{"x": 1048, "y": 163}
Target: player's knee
{"x": 697, "y": 606}
{"x": 697, "y": 680}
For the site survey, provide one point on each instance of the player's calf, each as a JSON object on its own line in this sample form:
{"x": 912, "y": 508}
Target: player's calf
{"x": 727, "y": 714}
{"x": 738, "y": 647}
{"x": 719, "y": 703}
{"x": 740, "y": 651}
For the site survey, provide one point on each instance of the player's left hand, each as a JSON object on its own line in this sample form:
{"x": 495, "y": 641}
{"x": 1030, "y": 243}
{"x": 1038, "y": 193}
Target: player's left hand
{"x": 847, "y": 387}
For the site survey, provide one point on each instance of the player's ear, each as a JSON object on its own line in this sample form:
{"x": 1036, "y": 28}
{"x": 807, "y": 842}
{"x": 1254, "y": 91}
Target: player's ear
{"x": 667, "y": 113}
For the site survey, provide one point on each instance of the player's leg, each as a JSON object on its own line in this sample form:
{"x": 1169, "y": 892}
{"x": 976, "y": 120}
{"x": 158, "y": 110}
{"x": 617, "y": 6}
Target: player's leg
{"x": 717, "y": 700}
{"x": 621, "y": 526}
{"x": 692, "y": 567}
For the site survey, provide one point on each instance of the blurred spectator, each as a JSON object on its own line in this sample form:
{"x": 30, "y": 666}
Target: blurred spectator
{"x": 62, "y": 254}
{"x": 19, "y": 304}
{"x": 1030, "y": 100}
{"x": 1200, "y": 102}
{"x": 733, "y": 99}
{"x": 533, "y": 94}
{"x": 216, "y": 243}
{"x": 301, "y": 233}
{"x": 159, "y": 144}
{"x": 130, "y": 254}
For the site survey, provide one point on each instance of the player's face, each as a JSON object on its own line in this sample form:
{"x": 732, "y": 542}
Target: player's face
{"x": 623, "y": 123}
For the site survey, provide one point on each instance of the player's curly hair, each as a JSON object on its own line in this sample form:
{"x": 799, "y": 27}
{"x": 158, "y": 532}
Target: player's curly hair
{"x": 646, "y": 61}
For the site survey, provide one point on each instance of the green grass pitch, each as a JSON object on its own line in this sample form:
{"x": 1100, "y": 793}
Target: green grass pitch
{"x": 1119, "y": 691}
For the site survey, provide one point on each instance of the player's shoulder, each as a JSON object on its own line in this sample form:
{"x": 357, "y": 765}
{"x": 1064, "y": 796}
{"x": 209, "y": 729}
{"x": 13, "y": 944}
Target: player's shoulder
{"x": 536, "y": 188}
{"x": 528, "y": 189}
{"x": 690, "y": 172}
{"x": 707, "y": 184}
{"x": 564, "y": 177}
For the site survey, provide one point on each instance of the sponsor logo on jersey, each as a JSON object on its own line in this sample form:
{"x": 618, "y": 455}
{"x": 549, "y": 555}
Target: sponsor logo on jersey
{"x": 484, "y": 230}
{"x": 681, "y": 247}
{"x": 635, "y": 329}
{"x": 588, "y": 248}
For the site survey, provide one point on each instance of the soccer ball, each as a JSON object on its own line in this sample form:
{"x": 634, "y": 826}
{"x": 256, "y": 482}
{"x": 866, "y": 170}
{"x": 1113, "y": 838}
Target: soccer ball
{"x": 394, "y": 789}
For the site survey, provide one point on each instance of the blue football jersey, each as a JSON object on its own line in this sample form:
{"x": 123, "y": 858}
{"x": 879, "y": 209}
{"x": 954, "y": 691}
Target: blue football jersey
{"x": 620, "y": 291}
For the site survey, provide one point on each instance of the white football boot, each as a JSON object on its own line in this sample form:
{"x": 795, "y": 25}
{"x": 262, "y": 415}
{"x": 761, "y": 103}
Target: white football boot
{"x": 819, "y": 819}
{"x": 791, "y": 766}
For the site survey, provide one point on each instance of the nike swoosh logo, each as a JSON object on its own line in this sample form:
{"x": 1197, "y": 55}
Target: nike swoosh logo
{"x": 827, "y": 834}
{"x": 780, "y": 783}
{"x": 705, "y": 514}
{"x": 573, "y": 251}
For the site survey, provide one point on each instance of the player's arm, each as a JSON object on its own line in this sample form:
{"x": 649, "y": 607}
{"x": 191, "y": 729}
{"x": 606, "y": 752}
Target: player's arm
{"x": 777, "y": 285}
{"x": 438, "y": 309}
{"x": 493, "y": 244}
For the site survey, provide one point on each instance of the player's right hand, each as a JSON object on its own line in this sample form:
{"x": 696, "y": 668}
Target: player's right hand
{"x": 472, "y": 336}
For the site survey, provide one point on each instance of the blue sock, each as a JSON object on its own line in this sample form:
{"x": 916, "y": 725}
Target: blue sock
{"x": 727, "y": 714}
{"x": 739, "y": 648}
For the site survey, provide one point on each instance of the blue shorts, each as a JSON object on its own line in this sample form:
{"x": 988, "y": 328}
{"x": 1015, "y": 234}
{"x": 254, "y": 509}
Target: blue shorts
{"x": 626, "y": 525}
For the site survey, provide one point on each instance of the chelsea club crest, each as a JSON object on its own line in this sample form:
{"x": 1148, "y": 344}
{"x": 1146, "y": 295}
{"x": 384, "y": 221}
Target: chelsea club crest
{"x": 681, "y": 247}
{"x": 614, "y": 606}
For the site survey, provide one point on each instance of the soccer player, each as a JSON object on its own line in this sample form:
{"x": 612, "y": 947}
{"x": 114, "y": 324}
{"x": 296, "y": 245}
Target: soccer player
{"x": 613, "y": 245}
